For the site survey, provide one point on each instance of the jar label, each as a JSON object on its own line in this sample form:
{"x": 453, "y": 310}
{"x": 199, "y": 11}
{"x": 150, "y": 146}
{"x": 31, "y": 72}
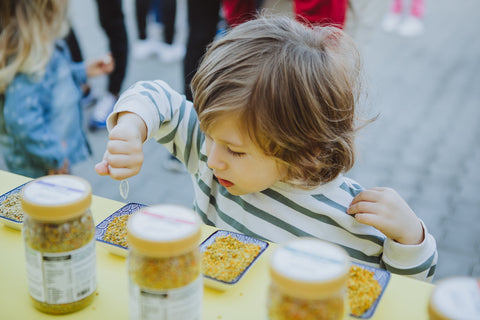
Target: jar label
{"x": 59, "y": 278}
{"x": 183, "y": 303}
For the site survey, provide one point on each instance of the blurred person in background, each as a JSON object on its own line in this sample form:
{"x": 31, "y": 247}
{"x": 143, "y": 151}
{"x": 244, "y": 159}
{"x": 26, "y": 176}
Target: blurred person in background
{"x": 157, "y": 37}
{"x": 41, "y": 89}
{"x": 112, "y": 21}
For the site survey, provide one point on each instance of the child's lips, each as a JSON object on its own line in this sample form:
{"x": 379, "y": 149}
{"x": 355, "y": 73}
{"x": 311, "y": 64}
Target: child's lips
{"x": 225, "y": 183}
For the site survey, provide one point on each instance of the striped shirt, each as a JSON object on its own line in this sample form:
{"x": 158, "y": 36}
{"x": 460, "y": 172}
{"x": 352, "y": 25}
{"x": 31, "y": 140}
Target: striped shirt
{"x": 279, "y": 213}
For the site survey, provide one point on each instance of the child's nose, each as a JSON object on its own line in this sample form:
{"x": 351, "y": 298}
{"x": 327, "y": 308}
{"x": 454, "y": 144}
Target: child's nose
{"x": 214, "y": 160}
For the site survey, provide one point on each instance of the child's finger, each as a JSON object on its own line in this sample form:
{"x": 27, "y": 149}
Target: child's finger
{"x": 366, "y": 218}
{"x": 363, "y": 207}
{"x": 125, "y": 148}
{"x": 369, "y": 195}
{"x": 118, "y": 161}
{"x": 102, "y": 168}
{"x": 121, "y": 173}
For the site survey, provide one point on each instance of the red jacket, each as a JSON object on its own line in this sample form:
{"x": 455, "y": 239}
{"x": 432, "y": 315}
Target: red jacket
{"x": 314, "y": 11}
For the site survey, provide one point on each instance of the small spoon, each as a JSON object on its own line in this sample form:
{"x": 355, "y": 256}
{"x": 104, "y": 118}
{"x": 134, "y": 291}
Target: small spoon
{"x": 124, "y": 188}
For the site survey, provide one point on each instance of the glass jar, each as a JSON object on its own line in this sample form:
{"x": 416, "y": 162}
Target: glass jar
{"x": 308, "y": 281}
{"x": 165, "y": 280}
{"x": 455, "y": 298}
{"x": 59, "y": 236}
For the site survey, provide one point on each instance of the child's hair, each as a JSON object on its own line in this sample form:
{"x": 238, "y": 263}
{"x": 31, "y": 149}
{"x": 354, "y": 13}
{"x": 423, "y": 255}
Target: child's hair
{"x": 28, "y": 29}
{"x": 294, "y": 87}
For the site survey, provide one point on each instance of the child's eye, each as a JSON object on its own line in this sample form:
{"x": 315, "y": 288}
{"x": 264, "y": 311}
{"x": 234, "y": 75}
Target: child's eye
{"x": 235, "y": 154}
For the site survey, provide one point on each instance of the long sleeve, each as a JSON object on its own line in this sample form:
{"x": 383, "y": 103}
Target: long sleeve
{"x": 170, "y": 118}
{"x": 416, "y": 261}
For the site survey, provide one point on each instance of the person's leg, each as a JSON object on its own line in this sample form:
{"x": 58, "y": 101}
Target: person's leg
{"x": 393, "y": 18}
{"x": 156, "y": 9}
{"x": 141, "y": 11}
{"x": 259, "y": 4}
{"x": 146, "y": 45}
{"x": 202, "y": 22}
{"x": 169, "y": 11}
{"x": 413, "y": 24}
{"x": 417, "y": 8}
{"x": 238, "y": 11}
{"x": 112, "y": 21}
{"x": 73, "y": 46}
{"x": 71, "y": 40}
{"x": 331, "y": 12}
{"x": 171, "y": 49}
{"x": 396, "y": 6}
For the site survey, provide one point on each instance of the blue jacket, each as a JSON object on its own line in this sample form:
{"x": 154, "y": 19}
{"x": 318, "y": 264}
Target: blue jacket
{"x": 41, "y": 120}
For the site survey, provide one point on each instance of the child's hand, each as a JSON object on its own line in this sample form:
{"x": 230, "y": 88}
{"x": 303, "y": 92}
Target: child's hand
{"x": 385, "y": 209}
{"x": 124, "y": 155}
{"x": 101, "y": 66}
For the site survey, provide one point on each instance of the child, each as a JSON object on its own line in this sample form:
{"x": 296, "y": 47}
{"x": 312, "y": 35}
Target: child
{"x": 40, "y": 88}
{"x": 266, "y": 145}
{"x": 410, "y": 25}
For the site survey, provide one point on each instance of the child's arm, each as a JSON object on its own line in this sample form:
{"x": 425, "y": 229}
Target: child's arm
{"x": 124, "y": 155}
{"x": 159, "y": 112}
{"x": 385, "y": 209}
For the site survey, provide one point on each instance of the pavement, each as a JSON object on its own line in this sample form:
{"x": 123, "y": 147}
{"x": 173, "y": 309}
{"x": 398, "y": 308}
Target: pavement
{"x": 425, "y": 143}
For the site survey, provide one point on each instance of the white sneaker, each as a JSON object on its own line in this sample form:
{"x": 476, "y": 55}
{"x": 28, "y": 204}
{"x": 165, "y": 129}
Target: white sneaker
{"x": 144, "y": 49}
{"x": 102, "y": 109}
{"x": 411, "y": 27}
{"x": 170, "y": 52}
{"x": 391, "y": 21}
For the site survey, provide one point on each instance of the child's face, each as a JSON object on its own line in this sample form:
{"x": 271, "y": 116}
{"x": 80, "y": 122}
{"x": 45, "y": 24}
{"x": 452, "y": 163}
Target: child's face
{"x": 239, "y": 165}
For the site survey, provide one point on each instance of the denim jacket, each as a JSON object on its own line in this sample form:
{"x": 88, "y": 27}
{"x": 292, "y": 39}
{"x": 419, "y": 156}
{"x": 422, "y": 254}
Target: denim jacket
{"x": 41, "y": 117}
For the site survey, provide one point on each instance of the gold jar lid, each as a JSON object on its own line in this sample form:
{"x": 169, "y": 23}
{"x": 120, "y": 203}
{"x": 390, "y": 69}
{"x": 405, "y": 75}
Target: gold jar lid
{"x": 56, "y": 197}
{"x": 163, "y": 230}
{"x": 309, "y": 268}
{"x": 455, "y": 298}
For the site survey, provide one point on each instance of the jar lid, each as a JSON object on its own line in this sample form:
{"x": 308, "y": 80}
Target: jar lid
{"x": 56, "y": 197}
{"x": 455, "y": 298}
{"x": 163, "y": 230}
{"x": 309, "y": 268}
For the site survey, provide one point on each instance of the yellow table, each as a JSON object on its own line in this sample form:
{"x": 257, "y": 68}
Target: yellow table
{"x": 404, "y": 298}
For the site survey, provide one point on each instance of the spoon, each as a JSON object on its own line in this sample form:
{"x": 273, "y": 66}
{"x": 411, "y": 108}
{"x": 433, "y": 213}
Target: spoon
{"x": 124, "y": 188}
